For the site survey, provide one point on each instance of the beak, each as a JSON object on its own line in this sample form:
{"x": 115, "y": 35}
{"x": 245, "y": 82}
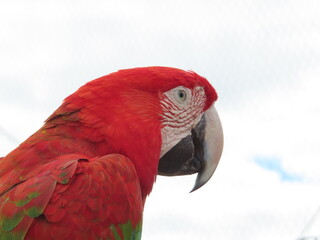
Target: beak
{"x": 199, "y": 152}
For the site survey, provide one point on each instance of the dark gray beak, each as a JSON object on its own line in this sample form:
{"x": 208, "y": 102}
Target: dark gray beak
{"x": 199, "y": 152}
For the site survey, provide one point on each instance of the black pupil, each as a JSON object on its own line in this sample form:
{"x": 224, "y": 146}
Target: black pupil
{"x": 181, "y": 94}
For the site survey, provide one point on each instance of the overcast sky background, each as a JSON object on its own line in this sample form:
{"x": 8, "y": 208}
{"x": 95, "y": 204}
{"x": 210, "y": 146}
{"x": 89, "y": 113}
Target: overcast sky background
{"x": 263, "y": 58}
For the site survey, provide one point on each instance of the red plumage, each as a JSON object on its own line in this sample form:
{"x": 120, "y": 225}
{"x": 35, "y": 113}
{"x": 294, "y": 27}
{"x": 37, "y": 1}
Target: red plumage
{"x": 81, "y": 189}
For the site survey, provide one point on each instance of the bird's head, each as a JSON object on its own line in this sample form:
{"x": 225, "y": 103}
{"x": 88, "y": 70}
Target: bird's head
{"x": 163, "y": 119}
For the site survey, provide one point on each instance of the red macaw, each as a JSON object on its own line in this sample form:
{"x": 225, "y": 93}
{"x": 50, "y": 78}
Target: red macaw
{"x": 86, "y": 173}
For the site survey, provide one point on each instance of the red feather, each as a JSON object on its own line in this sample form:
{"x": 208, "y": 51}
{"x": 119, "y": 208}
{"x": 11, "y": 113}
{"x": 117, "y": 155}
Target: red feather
{"x": 65, "y": 181}
{"x": 74, "y": 196}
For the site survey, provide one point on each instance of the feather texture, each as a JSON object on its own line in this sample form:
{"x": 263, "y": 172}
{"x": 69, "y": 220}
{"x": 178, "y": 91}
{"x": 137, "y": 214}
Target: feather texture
{"x": 85, "y": 174}
{"x": 71, "y": 195}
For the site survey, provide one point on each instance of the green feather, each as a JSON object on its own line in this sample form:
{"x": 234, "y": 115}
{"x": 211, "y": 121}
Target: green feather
{"x": 11, "y": 235}
{"x": 10, "y": 223}
{"x": 34, "y": 212}
{"x": 115, "y": 232}
{"x": 29, "y": 197}
{"x": 64, "y": 181}
{"x": 128, "y": 231}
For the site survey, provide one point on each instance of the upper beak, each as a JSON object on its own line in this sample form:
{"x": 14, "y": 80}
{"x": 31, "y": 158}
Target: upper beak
{"x": 199, "y": 152}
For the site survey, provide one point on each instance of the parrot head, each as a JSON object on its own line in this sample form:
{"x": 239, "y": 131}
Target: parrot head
{"x": 162, "y": 119}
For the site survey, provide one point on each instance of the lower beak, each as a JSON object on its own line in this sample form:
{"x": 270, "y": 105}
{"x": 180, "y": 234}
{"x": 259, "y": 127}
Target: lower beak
{"x": 199, "y": 152}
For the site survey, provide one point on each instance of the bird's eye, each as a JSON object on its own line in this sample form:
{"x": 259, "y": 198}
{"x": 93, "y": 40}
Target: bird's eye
{"x": 182, "y": 95}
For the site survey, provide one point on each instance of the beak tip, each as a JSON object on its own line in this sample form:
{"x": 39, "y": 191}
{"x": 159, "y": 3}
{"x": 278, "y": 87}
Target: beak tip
{"x": 200, "y": 181}
{"x": 195, "y": 187}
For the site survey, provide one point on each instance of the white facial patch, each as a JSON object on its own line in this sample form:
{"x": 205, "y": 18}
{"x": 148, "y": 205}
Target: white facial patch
{"x": 182, "y": 110}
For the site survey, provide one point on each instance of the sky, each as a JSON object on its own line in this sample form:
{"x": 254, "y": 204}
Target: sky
{"x": 263, "y": 58}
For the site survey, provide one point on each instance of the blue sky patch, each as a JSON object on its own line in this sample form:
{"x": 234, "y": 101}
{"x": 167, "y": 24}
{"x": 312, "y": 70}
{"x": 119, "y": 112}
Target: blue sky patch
{"x": 274, "y": 164}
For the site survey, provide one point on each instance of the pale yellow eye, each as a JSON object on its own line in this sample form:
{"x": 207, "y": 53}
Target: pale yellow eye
{"x": 182, "y": 95}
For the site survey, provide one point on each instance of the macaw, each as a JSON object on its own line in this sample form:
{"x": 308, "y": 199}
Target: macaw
{"x": 86, "y": 173}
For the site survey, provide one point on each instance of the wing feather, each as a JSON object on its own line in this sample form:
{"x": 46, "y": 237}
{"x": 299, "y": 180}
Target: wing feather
{"x": 74, "y": 197}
